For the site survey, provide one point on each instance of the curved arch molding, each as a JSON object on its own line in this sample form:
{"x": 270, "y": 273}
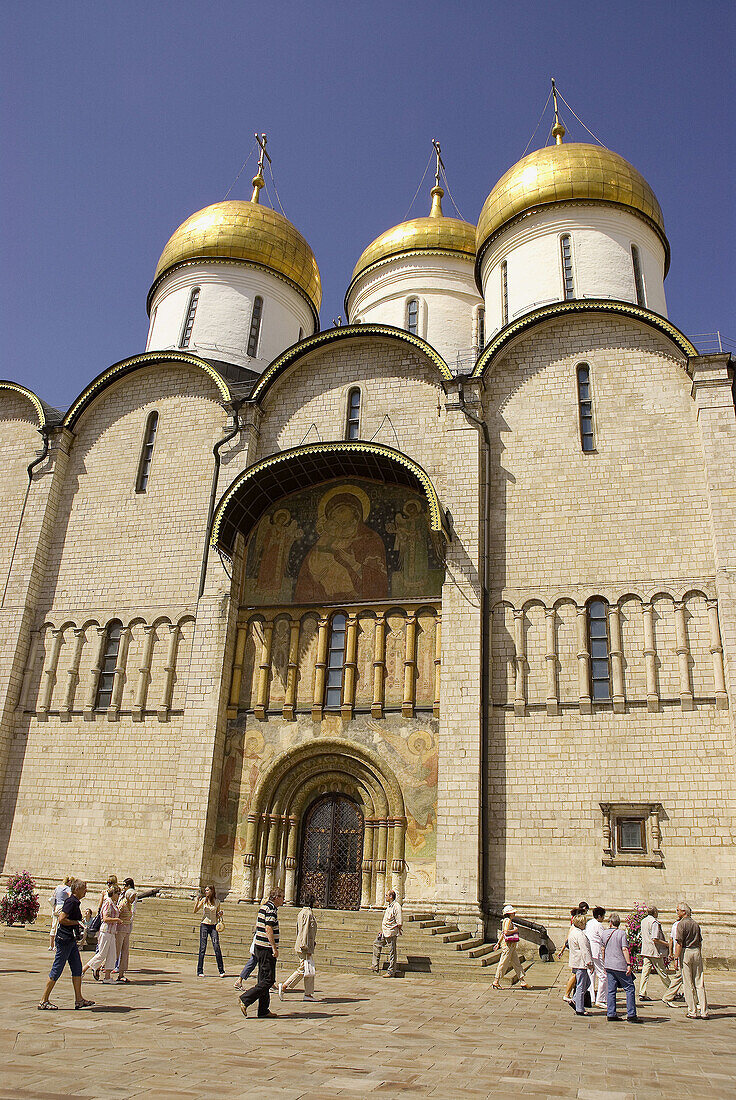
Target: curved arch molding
{"x": 278, "y": 475}
{"x": 36, "y": 401}
{"x": 347, "y": 332}
{"x": 587, "y": 305}
{"x": 125, "y": 366}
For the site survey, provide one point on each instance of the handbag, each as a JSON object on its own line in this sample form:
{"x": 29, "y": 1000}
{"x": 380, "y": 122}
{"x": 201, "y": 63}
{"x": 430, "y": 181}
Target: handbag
{"x": 513, "y": 937}
{"x": 96, "y": 922}
{"x": 220, "y": 926}
{"x": 309, "y": 971}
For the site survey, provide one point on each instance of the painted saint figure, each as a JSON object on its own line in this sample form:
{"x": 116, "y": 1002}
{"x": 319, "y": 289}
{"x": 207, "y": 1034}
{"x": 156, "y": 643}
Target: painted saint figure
{"x": 268, "y": 578}
{"x": 348, "y": 560}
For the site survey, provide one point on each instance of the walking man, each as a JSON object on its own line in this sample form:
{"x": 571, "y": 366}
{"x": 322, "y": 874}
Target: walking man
{"x": 653, "y": 951}
{"x": 390, "y": 929}
{"x": 67, "y": 951}
{"x": 688, "y": 949}
{"x": 594, "y": 930}
{"x": 617, "y": 960}
{"x": 266, "y": 952}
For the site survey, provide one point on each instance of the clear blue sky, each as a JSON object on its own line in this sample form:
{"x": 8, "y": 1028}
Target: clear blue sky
{"x": 120, "y": 120}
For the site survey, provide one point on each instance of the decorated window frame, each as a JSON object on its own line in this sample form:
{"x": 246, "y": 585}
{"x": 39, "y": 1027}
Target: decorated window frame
{"x": 622, "y": 847}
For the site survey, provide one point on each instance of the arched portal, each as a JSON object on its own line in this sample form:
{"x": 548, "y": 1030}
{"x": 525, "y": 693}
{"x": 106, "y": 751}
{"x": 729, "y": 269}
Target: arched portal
{"x": 332, "y": 853}
{"x": 283, "y": 808}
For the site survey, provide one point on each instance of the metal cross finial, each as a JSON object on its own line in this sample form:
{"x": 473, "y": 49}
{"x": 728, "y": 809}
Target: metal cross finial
{"x": 440, "y": 162}
{"x": 258, "y": 179}
{"x": 558, "y": 130}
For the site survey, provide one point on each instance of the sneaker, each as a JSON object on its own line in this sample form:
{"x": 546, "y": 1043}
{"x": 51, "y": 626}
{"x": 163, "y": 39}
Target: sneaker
{"x": 568, "y": 1000}
{"x": 281, "y": 991}
{"x": 309, "y": 997}
{"x": 690, "y": 1016}
{"x": 703, "y": 1015}
{"x": 200, "y": 975}
{"x": 223, "y": 974}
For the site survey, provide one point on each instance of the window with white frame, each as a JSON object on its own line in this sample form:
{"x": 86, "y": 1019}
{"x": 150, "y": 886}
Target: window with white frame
{"x": 641, "y": 298}
{"x": 568, "y": 282}
{"x": 352, "y": 426}
{"x": 255, "y": 326}
{"x": 144, "y": 462}
{"x": 412, "y": 316}
{"x": 186, "y": 331}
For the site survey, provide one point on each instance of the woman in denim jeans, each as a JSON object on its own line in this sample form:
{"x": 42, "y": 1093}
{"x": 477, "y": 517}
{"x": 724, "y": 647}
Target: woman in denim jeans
{"x": 211, "y": 914}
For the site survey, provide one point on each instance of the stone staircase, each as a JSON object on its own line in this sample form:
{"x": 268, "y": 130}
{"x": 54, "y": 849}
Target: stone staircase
{"x": 429, "y": 946}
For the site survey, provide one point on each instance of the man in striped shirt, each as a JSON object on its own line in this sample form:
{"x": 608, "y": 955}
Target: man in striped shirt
{"x": 266, "y": 952}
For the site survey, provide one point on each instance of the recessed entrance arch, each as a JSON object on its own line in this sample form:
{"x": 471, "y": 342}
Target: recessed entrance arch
{"x": 281, "y": 808}
{"x": 332, "y": 853}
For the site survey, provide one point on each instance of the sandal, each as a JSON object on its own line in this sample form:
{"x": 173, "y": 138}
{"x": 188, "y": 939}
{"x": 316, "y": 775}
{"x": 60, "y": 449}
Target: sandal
{"x": 95, "y": 974}
{"x": 123, "y": 980}
{"x": 48, "y": 1007}
{"x": 238, "y": 984}
{"x": 83, "y": 1004}
{"x": 495, "y": 985}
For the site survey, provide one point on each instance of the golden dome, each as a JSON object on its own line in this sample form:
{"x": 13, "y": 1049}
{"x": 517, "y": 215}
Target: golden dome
{"x": 560, "y": 173}
{"x": 240, "y": 230}
{"x": 435, "y": 233}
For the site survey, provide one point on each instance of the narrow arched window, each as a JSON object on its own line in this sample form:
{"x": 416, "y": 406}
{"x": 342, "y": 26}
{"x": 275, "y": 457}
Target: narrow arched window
{"x": 568, "y": 282}
{"x": 144, "y": 463}
{"x": 412, "y": 316}
{"x": 352, "y": 429}
{"x": 638, "y": 277}
{"x": 600, "y": 669}
{"x": 106, "y": 677}
{"x": 504, "y": 293}
{"x": 481, "y": 327}
{"x": 186, "y": 331}
{"x": 255, "y": 326}
{"x": 585, "y": 408}
{"x": 335, "y": 663}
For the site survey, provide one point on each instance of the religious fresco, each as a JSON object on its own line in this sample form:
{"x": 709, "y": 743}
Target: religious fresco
{"x": 349, "y": 542}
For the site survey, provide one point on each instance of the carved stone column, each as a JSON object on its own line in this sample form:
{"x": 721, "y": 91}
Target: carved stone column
{"x": 169, "y": 669}
{"x": 320, "y": 666}
{"x": 380, "y": 862}
{"x": 351, "y": 649}
{"x": 379, "y": 666}
{"x": 617, "y": 660}
{"x": 95, "y": 673}
{"x": 650, "y": 656}
{"x": 31, "y": 666}
{"x": 683, "y": 657}
{"x": 249, "y": 859}
{"x": 583, "y": 661}
{"x": 292, "y": 671}
{"x": 553, "y": 705}
{"x": 144, "y": 673}
{"x": 49, "y": 675}
{"x": 367, "y": 865}
{"x": 236, "y": 681}
{"x": 410, "y": 667}
{"x": 519, "y": 664}
{"x": 290, "y": 862}
{"x": 264, "y": 672}
{"x": 72, "y": 676}
{"x": 716, "y": 651}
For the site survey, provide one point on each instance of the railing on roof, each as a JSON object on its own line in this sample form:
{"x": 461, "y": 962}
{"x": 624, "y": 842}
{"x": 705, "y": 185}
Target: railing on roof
{"x": 466, "y": 359}
{"x": 711, "y": 343}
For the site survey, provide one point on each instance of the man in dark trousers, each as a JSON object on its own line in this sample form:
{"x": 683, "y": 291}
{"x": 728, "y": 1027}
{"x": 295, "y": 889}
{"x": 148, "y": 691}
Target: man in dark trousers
{"x": 266, "y": 952}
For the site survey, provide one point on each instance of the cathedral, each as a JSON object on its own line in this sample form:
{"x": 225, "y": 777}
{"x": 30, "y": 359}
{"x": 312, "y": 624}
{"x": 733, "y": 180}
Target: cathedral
{"x": 439, "y": 600}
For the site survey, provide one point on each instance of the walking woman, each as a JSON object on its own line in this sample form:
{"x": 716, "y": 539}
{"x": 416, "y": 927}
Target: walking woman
{"x": 306, "y": 941}
{"x": 106, "y": 945}
{"x": 211, "y": 917}
{"x": 508, "y": 941}
{"x": 122, "y": 933}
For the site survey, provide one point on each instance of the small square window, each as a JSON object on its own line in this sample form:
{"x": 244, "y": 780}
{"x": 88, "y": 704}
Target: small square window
{"x": 632, "y": 835}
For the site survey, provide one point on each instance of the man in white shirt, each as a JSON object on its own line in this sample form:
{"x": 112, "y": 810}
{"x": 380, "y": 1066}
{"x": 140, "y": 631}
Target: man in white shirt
{"x": 594, "y": 930}
{"x": 653, "y": 948}
{"x": 390, "y": 929}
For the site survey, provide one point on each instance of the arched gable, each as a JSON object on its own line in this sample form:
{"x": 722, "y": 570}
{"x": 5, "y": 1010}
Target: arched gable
{"x": 41, "y": 410}
{"x": 348, "y": 332}
{"x": 126, "y": 366}
{"x": 588, "y": 305}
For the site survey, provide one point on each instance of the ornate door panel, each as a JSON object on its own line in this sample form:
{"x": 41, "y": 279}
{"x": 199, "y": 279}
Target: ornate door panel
{"x": 332, "y": 851}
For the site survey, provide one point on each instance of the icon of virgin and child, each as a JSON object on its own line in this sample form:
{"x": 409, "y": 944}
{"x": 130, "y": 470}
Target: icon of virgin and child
{"x": 336, "y": 557}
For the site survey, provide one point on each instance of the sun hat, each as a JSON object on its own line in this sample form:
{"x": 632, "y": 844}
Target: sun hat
{"x": 508, "y": 910}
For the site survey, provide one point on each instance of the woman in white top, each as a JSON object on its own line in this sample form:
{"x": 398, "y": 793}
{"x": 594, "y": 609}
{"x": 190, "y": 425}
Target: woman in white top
{"x": 211, "y": 916}
{"x": 508, "y": 941}
{"x": 581, "y": 961}
{"x": 106, "y": 945}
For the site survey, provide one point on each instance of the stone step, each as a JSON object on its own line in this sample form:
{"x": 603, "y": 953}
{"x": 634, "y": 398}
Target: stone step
{"x": 483, "y": 949}
{"x": 467, "y": 945}
{"x": 442, "y": 928}
{"x": 456, "y": 937}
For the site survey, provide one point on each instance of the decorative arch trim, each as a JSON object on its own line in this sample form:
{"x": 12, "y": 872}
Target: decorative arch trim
{"x": 275, "y": 477}
{"x": 126, "y": 366}
{"x": 587, "y": 305}
{"x": 347, "y": 332}
{"x": 34, "y": 399}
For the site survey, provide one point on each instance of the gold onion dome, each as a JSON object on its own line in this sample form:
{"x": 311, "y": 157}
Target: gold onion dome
{"x": 435, "y": 233}
{"x": 562, "y": 173}
{"x": 241, "y": 230}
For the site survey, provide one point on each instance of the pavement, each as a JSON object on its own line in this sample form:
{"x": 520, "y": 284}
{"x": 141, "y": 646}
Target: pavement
{"x": 171, "y": 1036}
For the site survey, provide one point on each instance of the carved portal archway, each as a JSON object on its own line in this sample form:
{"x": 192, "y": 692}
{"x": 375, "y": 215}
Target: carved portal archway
{"x": 331, "y": 853}
{"x": 287, "y": 791}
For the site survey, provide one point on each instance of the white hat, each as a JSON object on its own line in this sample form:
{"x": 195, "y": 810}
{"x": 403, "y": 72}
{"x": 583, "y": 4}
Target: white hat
{"x": 508, "y": 910}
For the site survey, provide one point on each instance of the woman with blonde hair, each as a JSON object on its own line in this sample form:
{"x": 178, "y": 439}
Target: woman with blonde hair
{"x": 106, "y": 945}
{"x": 581, "y": 961}
{"x": 508, "y": 941}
